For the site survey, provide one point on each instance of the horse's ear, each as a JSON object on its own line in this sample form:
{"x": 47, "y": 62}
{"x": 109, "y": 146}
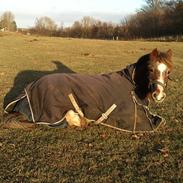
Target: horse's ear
{"x": 154, "y": 54}
{"x": 169, "y": 54}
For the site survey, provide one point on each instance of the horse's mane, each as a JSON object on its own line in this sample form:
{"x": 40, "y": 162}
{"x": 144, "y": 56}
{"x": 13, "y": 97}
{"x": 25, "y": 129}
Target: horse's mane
{"x": 141, "y": 76}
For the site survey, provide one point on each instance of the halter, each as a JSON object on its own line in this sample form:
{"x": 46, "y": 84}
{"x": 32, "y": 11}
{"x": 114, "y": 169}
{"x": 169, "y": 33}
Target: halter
{"x": 154, "y": 93}
{"x": 158, "y": 83}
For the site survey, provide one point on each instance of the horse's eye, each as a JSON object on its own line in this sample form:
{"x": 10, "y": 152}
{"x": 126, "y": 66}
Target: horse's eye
{"x": 151, "y": 70}
{"x": 168, "y": 72}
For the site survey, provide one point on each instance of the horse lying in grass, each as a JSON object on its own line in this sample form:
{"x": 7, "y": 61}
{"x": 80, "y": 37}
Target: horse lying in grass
{"x": 120, "y": 99}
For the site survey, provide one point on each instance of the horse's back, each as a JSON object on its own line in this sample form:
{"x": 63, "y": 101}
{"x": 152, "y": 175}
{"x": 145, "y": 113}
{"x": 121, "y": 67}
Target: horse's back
{"x": 94, "y": 93}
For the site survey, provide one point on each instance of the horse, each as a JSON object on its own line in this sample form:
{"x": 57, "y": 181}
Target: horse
{"x": 119, "y": 98}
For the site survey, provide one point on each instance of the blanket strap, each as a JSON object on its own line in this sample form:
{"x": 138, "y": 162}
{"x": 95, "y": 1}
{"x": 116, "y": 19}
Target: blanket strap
{"x": 106, "y": 114}
{"x": 74, "y": 103}
{"x": 79, "y": 111}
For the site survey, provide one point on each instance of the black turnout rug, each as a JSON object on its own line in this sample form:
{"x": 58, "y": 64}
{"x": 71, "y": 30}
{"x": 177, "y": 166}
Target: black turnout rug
{"x": 46, "y": 100}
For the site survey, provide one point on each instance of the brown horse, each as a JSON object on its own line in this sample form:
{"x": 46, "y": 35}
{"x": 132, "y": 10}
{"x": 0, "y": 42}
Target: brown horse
{"x": 128, "y": 91}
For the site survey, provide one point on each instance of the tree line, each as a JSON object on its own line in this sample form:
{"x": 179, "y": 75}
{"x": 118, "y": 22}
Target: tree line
{"x": 157, "y": 18}
{"x": 87, "y": 27}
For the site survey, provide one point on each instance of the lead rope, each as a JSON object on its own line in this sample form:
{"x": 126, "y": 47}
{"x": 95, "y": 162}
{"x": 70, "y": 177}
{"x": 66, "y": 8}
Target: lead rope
{"x": 135, "y": 112}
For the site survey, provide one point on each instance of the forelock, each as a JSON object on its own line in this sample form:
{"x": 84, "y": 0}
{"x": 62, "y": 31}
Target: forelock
{"x": 163, "y": 58}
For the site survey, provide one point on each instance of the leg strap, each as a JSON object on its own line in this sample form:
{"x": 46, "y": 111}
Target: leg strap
{"x": 74, "y": 103}
{"x": 106, "y": 114}
{"x": 79, "y": 111}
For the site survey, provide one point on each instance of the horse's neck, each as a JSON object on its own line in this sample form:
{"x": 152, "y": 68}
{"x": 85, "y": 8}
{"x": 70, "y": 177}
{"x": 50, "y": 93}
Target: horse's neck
{"x": 141, "y": 77}
{"x": 141, "y": 92}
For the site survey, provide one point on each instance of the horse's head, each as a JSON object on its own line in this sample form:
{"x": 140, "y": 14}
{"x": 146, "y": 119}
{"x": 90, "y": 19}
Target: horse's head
{"x": 151, "y": 75}
{"x": 159, "y": 67}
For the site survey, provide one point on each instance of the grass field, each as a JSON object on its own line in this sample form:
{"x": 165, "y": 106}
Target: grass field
{"x": 96, "y": 154}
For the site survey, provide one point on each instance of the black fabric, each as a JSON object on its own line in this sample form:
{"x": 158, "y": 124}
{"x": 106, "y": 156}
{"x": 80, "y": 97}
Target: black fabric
{"x": 22, "y": 106}
{"x": 94, "y": 94}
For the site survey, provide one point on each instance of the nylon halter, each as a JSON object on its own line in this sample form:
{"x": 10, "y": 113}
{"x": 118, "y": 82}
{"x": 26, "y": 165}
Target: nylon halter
{"x": 158, "y": 83}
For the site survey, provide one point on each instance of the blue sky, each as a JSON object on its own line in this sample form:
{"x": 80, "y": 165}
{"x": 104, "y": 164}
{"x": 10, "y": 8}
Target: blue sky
{"x": 67, "y": 11}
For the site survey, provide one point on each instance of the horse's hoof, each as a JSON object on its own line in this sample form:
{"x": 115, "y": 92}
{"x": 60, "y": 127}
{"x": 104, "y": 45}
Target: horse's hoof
{"x": 18, "y": 125}
{"x": 17, "y": 121}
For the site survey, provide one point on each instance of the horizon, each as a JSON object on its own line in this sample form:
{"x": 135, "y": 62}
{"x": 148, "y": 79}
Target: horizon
{"x": 65, "y": 13}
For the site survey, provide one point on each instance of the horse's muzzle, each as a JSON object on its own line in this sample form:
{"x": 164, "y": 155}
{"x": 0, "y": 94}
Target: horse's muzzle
{"x": 157, "y": 95}
{"x": 158, "y": 99}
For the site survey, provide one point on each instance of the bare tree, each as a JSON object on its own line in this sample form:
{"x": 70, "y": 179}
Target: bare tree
{"x": 45, "y": 23}
{"x": 7, "y": 21}
{"x": 87, "y": 23}
{"x": 152, "y": 5}
{"x": 76, "y": 29}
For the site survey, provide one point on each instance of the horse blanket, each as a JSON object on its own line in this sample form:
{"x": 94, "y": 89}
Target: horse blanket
{"x": 46, "y": 99}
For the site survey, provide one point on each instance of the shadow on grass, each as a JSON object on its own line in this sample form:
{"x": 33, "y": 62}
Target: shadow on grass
{"x": 23, "y": 78}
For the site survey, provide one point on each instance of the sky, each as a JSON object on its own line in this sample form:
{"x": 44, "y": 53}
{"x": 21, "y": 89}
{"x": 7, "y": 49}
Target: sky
{"x": 65, "y": 12}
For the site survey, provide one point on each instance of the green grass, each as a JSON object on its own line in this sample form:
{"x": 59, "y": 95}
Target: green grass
{"x": 95, "y": 154}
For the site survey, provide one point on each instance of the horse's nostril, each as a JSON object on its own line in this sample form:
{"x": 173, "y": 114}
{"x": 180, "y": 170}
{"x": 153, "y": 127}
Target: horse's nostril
{"x": 154, "y": 94}
{"x": 164, "y": 96}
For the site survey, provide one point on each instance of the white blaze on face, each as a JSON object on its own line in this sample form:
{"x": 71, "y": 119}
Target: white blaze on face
{"x": 161, "y": 68}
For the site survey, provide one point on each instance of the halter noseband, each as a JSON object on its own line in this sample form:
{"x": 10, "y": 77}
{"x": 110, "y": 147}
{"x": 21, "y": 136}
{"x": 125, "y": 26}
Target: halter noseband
{"x": 158, "y": 83}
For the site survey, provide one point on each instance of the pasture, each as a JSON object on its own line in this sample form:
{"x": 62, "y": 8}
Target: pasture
{"x": 95, "y": 154}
